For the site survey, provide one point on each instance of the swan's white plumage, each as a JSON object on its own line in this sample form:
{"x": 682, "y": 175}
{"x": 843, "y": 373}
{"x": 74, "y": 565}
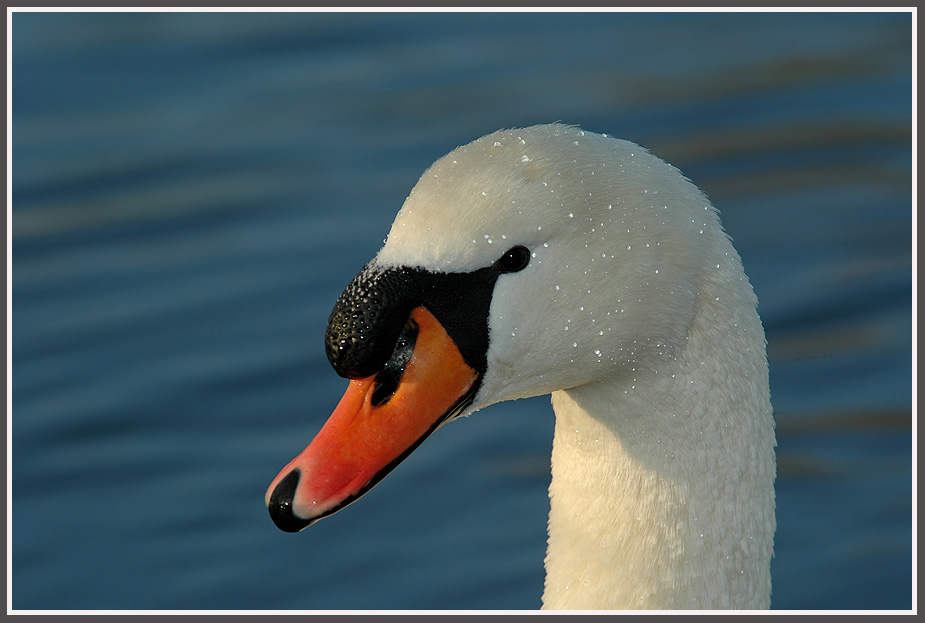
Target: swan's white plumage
{"x": 635, "y": 313}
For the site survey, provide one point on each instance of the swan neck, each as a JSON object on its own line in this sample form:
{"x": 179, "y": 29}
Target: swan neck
{"x": 662, "y": 485}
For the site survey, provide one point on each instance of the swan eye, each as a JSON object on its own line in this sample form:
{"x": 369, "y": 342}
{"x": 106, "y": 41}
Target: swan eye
{"x": 515, "y": 259}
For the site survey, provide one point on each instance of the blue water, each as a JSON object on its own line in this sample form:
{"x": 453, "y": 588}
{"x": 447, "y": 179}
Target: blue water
{"x": 191, "y": 191}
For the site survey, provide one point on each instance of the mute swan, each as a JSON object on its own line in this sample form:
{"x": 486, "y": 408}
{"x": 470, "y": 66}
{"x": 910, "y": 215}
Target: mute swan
{"x": 552, "y": 260}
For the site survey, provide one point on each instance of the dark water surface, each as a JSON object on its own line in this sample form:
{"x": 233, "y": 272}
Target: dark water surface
{"x": 191, "y": 191}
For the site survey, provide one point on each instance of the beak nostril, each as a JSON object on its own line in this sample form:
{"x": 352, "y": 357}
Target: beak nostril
{"x": 390, "y": 376}
{"x": 280, "y": 505}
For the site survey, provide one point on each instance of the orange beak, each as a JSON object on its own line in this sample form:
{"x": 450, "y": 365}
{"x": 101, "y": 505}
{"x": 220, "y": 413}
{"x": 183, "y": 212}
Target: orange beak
{"x": 360, "y": 443}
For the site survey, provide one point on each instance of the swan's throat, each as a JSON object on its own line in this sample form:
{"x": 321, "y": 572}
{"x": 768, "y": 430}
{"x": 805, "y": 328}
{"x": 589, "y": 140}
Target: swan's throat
{"x": 662, "y": 490}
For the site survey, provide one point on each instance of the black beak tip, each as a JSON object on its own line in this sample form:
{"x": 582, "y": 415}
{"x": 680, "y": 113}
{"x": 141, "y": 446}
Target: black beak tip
{"x": 280, "y": 505}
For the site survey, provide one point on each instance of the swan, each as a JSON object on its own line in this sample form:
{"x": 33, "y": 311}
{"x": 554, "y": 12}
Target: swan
{"x": 551, "y": 260}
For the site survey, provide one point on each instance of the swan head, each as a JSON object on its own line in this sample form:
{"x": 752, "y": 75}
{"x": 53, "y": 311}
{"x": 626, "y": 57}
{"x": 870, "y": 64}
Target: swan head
{"x": 526, "y": 262}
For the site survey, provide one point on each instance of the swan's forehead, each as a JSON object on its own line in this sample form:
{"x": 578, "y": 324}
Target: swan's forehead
{"x": 507, "y": 188}
{"x": 549, "y": 185}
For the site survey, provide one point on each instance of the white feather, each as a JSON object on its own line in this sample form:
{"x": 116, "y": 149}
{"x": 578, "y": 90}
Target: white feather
{"x": 636, "y": 314}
